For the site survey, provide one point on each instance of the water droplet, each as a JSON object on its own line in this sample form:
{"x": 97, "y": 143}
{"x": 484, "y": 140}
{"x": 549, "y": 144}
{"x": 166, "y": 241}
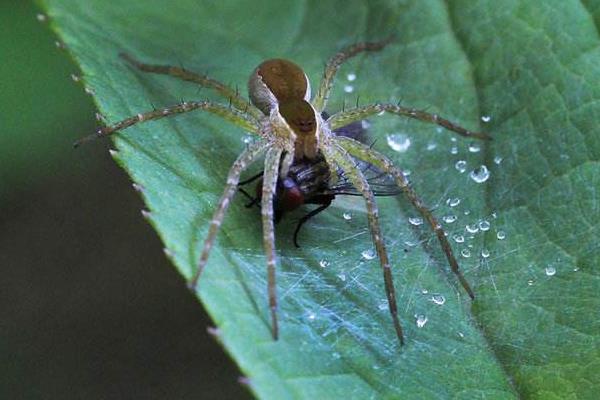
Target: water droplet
{"x": 480, "y": 174}
{"x": 453, "y": 202}
{"x": 421, "y": 320}
{"x": 486, "y": 118}
{"x": 454, "y": 150}
{"x": 472, "y": 228}
{"x": 368, "y": 254}
{"x": 342, "y": 277}
{"x": 530, "y": 282}
{"x": 347, "y": 216}
{"x": 474, "y": 147}
{"x": 336, "y": 355}
{"x": 365, "y": 124}
{"x": 462, "y": 335}
{"x": 449, "y": 218}
{"x": 424, "y": 291}
{"x": 458, "y": 238}
{"x": 351, "y": 77}
{"x": 406, "y": 172}
{"x": 484, "y": 225}
{"x": 89, "y": 90}
{"x": 485, "y": 253}
{"x": 415, "y": 221}
{"x": 75, "y": 78}
{"x": 466, "y": 253}
{"x": 550, "y": 270}
{"x": 324, "y": 263}
{"x": 461, "y": 166}
{"x": 431, "y": 146}
{"x": 498, "y": 160}
{"x": 248, "y": 139}
{"x": 383, "y": 305}
{"x": 501, "y": 235}
{"x": 41, "y": 17}
{"x": 438, "y": 299}
{"x": 311, "y": 316}
{"x": 398, "y": 142}
{"x": 348, "y": 88}
{"x": 60, "y": 45}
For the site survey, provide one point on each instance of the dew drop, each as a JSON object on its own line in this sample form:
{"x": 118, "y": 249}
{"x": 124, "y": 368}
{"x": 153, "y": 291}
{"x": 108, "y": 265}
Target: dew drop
{"x": 347, "y": 216}
{"x": 530, "y": 282}
{"x": 501, "y": 235}
{"x": 550, "y": 270}
{"x": 498, "y": 160}
{"x": 398, "y": 142}
{"x": 324, "y": 263}
{"x": 424, "y": 291}
{"x": 89, "y": 90}
{"x": 416, "y": 221}
{"x": 431, "y": 146}
{"x": 453, "y": 202}
{"x": 466, "y": 253}
{"x": 458, "y": 238}
{"x": 75, "y": 78}
{"x": 41, "y": 17}
{"x": 472, "y": 228}
{"x": 485, "y": 253}
{"x": 60, "y": 45}
{"x": 474, "y": 147}
{"x": 311, "y": 316}
{"x": 449, "y": 218}
{"x": 351, "y": 77}
{"x": 383, "y": 305}
{"x": 348, "y": 88}
{"x": 484, "y": 225}
{"x": 421, "y": 320}
{"x": 486, "y": 118}
{"x": 461, "y": 166}
{"x": 342, "y": 277}
{"x": 454, "y": 150}
{"x": 480, "y": 174}
{"x": 247, "y": 139}
{"x": 438, "y": 299}
{"x": 368, "y": 254}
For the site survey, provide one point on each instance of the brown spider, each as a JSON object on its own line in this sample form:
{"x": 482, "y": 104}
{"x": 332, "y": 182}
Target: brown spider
{"x": 291, "y": 130}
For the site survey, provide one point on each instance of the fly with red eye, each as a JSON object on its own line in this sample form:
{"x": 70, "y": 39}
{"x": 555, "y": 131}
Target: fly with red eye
{"x": 291, "y": 133}
{"x": 312, "y": 182}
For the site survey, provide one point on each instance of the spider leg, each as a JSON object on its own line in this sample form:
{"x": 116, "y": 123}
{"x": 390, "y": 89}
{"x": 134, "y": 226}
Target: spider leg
{"x": 248, "y": 156}
{"x": 271, "y": 175}
{"x": 308, "y": 216}
{"x": 334, "y": 63}
{"x": 237, "y": 117}
{"x": 336, "y": 155}
{"x": 203, "y": 80}
{"x": 365, "y": 153}
{"x": 359, "y": 113}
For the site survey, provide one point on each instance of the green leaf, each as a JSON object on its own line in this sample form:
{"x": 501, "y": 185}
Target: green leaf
{"x": 531, "y": 67}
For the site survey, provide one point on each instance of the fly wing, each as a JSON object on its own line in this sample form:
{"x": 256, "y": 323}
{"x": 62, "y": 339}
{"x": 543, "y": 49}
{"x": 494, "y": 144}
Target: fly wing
{"x": 381, "y": 183}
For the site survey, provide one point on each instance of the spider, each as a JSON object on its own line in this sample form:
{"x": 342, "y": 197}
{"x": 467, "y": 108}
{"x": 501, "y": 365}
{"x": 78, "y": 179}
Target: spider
{"x": 291, "y": 130}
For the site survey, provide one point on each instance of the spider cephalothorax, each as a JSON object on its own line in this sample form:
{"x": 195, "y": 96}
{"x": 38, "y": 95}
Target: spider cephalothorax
{"x": 293, "y": 134}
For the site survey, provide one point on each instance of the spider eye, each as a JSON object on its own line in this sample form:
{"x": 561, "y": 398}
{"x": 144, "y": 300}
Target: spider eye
{"x": 276, "y": 81}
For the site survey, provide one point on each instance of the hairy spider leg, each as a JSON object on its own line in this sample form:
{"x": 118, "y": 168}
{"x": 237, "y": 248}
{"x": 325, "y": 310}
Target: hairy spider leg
{"x": 271, "y": 175}
{"x": 359, "y": 113}
{"x": 334, "y": 63}
{"x": 248, "y": 156}
{"x": 365, "y": 153}
{"x": 338, "y": 156}
{"x": 240, "y": 119}
{"x": 203, "y": 80}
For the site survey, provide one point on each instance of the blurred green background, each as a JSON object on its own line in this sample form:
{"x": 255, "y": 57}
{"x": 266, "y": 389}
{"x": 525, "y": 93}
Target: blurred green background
{"x": 89, "y": 305}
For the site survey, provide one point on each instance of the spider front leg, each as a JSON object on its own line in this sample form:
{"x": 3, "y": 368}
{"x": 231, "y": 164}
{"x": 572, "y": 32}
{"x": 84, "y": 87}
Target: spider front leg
{"x": 225, "y": 91}
{"x": 334, "y": 63}
{"x": 240, "y": 119}
{"x": 248, "y": 156}
{"x": 366, "y": 153}
{"x": 271, "y": 175}
{"x": 336, "y": 155}
{"x": 344, "y": 118}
